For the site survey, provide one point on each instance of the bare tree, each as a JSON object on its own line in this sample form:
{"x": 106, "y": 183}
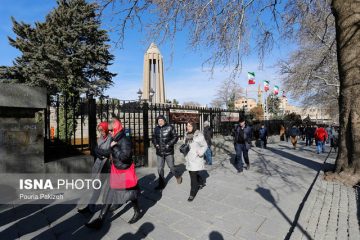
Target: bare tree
{"x": 224, "y": 28}
{"x": 191, "y": 104}
{"x": 311, "y": 72}
{"x": 228, "y": 91}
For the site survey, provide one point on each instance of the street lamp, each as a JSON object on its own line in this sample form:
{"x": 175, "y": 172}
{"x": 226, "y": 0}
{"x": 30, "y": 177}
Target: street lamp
{"x": 152, "y": 93}
{"x": 140, "y": 94}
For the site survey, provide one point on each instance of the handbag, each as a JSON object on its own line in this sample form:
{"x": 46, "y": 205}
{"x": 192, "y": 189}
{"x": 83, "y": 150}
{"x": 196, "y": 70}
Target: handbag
{"x": 123, "y": 178}
{"x": 185, "y": 148}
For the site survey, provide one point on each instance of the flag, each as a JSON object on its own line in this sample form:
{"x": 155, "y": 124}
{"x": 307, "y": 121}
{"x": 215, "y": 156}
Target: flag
{"x": 276, "y": 90}
{"x": 283, "y": 94}
{"x": 266, "y": 85}
{"x": 251, "y": 77}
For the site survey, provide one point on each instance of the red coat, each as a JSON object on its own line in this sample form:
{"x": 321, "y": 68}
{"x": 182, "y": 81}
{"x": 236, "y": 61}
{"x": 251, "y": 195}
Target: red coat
{"x": 321, "y": 134}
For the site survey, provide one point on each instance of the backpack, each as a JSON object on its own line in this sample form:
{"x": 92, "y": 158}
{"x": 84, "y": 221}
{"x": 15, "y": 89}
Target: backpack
{"x": 320, "y": 134}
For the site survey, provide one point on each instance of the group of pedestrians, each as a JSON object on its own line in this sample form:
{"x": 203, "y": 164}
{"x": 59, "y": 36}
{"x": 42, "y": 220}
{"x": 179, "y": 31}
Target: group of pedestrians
{"x": 317, "y": 134}
{"x": 115, "y": 168}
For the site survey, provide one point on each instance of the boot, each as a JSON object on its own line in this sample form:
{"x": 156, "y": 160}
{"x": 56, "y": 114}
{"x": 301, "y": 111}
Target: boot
{"x": 161, "y": 184}
{"x": 179, "y": 180}
{"x": 114, "y": 207}
{"x": 84, "y": 210}
{"x": 136, "y": 215}
{"x": 98, "y": 222}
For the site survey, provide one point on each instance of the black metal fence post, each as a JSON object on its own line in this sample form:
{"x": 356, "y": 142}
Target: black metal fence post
{"x": 92, "y": 123}
{"x": 146, "y": 132}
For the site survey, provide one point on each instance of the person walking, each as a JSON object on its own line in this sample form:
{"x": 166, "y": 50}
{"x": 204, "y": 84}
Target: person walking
{"x": 263, "y": 135}
{"x": 335, "y": 138}
{"x": 282, "y": 133}
{"x": 294, "y": 133}
{"x": 308, "y": 135}
{"x": 302, "y": 132}
{"x": 313, "y": 130}
{"x": 320, "y": 136}
{"x": 101, "y": 165}
{"x": 329, "y": 131}
{"x": 208, "y": 134}
{"x": 242, "y": 144}
{"x": 164, "y": 139}
{"x": 194, "y": 158}
{"x": 123, "y": 180}
{"x": 287, "y": 133}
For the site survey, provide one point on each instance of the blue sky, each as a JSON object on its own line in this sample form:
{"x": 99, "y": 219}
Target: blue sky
{"x": 185, "y": 79}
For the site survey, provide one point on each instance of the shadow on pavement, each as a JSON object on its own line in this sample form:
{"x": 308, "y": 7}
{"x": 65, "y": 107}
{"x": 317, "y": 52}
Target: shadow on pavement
{"x": 267, "y": 195}
{"x": 141, "y": 233}
{"x": 300, "y": 160}
{"x": 36, "y": 220}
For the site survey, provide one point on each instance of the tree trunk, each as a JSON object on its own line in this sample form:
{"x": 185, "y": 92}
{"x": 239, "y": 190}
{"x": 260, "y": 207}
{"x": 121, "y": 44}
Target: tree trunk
{"x": 347, "y": 20}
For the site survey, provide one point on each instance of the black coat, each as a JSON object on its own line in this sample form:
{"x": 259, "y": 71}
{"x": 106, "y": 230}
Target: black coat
{"x": 164, "y": 139}
{"x": 121, "y": 153}
{"x": 208, "y": 134}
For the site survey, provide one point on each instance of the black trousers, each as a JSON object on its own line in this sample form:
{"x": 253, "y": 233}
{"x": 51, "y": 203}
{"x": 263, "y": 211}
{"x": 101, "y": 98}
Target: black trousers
{"x": 195, "y": 181}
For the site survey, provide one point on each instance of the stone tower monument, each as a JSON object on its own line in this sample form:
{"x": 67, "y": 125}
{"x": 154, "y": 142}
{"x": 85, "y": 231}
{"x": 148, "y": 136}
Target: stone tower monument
{"x": 154, "y": 86}
{"x": 260, "y": 98}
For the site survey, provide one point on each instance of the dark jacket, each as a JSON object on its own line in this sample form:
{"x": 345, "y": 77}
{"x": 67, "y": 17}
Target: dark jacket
{"x": 122, "y": 152}
{"x": 247, "y": 134}
{"x": 308, "y": 131}
{"x": 208, "y": 134}
{"x": 263, "y": 133}
{"x": 294, "y": 132}
{"x": 164, "y": 139}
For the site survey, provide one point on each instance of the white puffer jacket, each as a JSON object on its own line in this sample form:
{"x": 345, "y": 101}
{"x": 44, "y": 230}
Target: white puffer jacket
{"x": 195, "y": 158}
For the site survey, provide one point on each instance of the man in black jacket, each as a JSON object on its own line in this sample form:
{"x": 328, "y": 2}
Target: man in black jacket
{"x": 164, "y": 139}
{"x": 208, "y": 134}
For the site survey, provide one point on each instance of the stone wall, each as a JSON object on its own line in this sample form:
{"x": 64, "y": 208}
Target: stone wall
{"x": 22, "y": 128}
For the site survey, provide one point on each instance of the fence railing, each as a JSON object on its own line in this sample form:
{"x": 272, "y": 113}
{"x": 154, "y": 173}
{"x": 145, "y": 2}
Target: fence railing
{"x": 71, "y": 122}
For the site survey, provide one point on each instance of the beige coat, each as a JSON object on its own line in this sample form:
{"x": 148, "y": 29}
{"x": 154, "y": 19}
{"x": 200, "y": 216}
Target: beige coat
{"x": 195, "y": 158}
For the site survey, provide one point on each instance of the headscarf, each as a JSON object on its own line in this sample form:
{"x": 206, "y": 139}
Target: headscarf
{"x": 117, "y": 127}
{"x": 190, "y": 136}
{"x": 105, "y": 127}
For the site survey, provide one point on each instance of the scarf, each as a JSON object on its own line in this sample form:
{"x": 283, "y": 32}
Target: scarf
{"x": 105, "y": 127}
{"x": 117, "y": 127}
{"x": 189, "y": 137}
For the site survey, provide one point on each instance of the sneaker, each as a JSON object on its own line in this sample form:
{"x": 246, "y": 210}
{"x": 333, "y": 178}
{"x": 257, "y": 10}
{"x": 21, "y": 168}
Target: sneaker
{"x": 239, "y": 171}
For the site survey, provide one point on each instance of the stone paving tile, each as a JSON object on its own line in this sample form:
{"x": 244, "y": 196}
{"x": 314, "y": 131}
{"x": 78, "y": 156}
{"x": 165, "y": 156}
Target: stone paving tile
{"x": 191, "y": 227}
{"x": 162, "y": 230}
{"x": 258, "y": 204}
{"x": 246, "y": 234}
{"x": 276, "y": 228}
{"x": 218, "y": 234}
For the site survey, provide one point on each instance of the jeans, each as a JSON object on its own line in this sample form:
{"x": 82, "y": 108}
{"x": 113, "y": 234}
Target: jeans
{"x": 208, "y": 156}
{"x": 320, "y": 146}
{"x": 241, "y": 151}
{"x": 195, "y": 180}
{"x": 308, "y": 141}
{"x": 161, "y": 164}
{"x": 263, "y": 143}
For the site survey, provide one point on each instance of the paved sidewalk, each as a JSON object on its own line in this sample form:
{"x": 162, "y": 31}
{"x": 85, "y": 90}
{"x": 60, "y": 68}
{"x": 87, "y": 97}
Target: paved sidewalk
{"x": 258, "y": 204}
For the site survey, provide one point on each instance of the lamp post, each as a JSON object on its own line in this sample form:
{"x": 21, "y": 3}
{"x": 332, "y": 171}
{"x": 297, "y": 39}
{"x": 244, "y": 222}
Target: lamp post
{"x": 140, "y": 94}
{"x": 152, "y": 93}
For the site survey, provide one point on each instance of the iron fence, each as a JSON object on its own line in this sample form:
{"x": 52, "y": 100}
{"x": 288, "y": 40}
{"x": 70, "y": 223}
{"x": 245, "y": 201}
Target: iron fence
{"x": 71, "y": 122}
